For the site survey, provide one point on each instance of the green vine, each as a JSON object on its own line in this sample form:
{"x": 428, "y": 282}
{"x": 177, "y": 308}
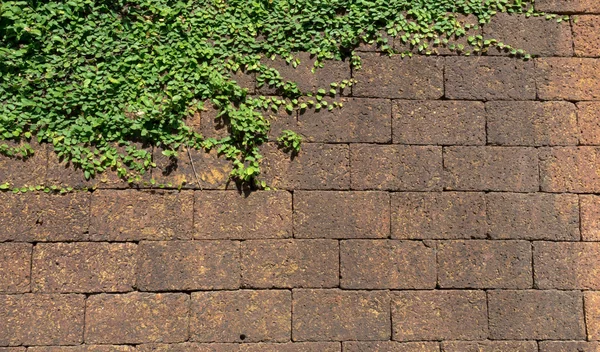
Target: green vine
{"x": 99, "y": 78}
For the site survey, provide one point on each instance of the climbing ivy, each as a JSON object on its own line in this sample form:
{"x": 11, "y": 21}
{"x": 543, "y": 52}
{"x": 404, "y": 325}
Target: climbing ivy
{"x": 99, "y": 79}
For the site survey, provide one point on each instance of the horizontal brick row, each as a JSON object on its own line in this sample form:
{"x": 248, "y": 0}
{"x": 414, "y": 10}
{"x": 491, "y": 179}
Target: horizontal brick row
{"x": 131, "y": 215}
{"x": 94, "y": 267}
{"x": 281, "y": 316}
{"x": 350, "y": 346}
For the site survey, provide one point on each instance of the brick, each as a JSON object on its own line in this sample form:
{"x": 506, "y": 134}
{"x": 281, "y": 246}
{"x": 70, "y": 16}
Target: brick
{"x": 332, "y": 71}
{"x": 341, "y": 214}
{"x": 536, "y": 35}
{"x": 396, "y": 167}
{"x": 316, "y": 166}
{"x": 37, "y": 319}
{"x": 489, "y": 78}
{"x": 530, "y": 123}
{"x": 592, "y": 315}
{"x": 391, "y": 346}
{"x": 130, "y": 215}
{"x": 188, "y": 265}
{"x": 387, "y": 264}
{"x": 83, "y": 267}
{"x": 245, "y": 347}
{"x": 24, "y": 172}
{"x": 394, "y": 77}
{"x": 336, "y": 315}
{"x": 438, "y": 122}
{"x": 536, "y": 216}
{"x": 589, "y": 124}
{"x": 569, "y": 346}
{"x": 290, "y": 263}
{"x": 590, "y": 217}
{"x": 211, "y": 170}
{"x": 536, "y": 315}
{"x": 136, "y": 318}
{"x": 586, "y": 35}
{"x": 570, "y": 169}
{"x": 439, "y": 315}
{"x": 491, "y": 169}
{"x": 438, "y": 215}
{"x": 359, "y": 120}
{"x": 235, "y": 316}
{"x": 39, "y": 217}
{"x": 484, "y": 264}
{"x": 12, "y": 349}
{"x": 570, "y": 265}
{"x": 230, "y": 215}
{"x": 490, "y": 346}
{"x": 15, "y": 267}
{"x": 568, "y": 78}
{"x": 568, "y": 6}
{"x": 82, "y": 348}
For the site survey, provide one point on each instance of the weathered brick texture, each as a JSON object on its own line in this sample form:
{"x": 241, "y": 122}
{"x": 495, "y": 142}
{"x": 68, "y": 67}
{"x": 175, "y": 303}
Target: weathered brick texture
{"x": 15, "y": 267}
{"x": 568, "y": 346}
{"x": 568, "y": 6}
{"x": 251, "y": 316}
{"x": 592, "y": 315}
{"x": 391, "y": 346}
{"x": 568, "y": 78}
{"x": 567, "y": 266}
{"x": 586, "y": 35}
{"x": 590, "y": 217}
{"x": 387, "y": 264}
{"x": 570, "y": 169}
{"x": 341, "y": 214}
{"x": 41, "y": 319}
{"x": 290, "y": 263}
{"x": 589, "y": 124}
{"x": 244, "y": 347}
{"x": 536, "y": 314}
{"x": 230, "y": 215}
{"x": 490, "y": 346}
{"x": 83, "y": 267}
{"x": 324, "y": 315}
{"x": 188, "y": 265}
{"x": 134, "y": 318}
{"x": 439, "y": 315}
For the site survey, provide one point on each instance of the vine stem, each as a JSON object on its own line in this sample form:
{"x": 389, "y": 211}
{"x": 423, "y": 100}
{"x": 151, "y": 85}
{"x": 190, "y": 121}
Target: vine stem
{"x": 193, "y": 167}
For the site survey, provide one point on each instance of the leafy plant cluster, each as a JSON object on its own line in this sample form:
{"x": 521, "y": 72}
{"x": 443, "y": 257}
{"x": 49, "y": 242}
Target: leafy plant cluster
{"x": 99, "y": 79}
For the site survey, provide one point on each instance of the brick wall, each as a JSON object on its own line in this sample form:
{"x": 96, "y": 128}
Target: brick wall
{"x": 449, "y": 206}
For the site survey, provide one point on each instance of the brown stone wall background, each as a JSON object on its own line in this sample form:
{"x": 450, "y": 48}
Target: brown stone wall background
{"x": 450, "y": 206}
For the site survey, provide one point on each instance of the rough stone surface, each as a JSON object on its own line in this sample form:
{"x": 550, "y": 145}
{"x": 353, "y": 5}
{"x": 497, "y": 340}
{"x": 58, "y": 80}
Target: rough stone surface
{"x": 136, "y": 318}
{"x": 316, "y": 166}
{"x": 567, "y": 266}
{"x": 244, "y": 347}
{"x": 40, "y": 319}
{"x": 589, "y": 124}
{"x": 491, "y": 169}
{"x": 83, "y": 348}
{"x": 251, "y": 316}
{"x": 229, "y": 215}
{"x": 490, "y": 346}
{"x": 188, "y": 265}
{"x": 132, "y": 215}
{"x": 586, "y": 35}
{"x": 341, "y": 215}
{"x": 387, "y": 264}
{"x": 358, "y": 121}
{"x": 28, "y": 172}
{"x": 592, "y": 315}
{"x": 539, "y": 315}
{"x": 15, "y": 267}
{"x": 83, "y": 267}
{"x": 570, "y": 169}
{"x": 568, "y": 78}
{"x": 590, "y": 217}
{"x": 535, "y": 216}
{"x": 532, "y": 123}
{"x": 393, "y": 77}
{"x": 290, "y": 263}
{"x": 484, "y": 264}
{"x": 569, "y": 346}
{"x": 568, "y": 6}
{"x": 325, "y": 315}
{"x": 439, "y": 315}
{"x": 438, "y": 122}
{"x": 44, "y": 217}
{"x": 489, "y": 78}
{"x": 391, "y": 346}
{"x": 396, "y": 167}
{"x": 536, "y": 35}
{"x": 438, "y": 215}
